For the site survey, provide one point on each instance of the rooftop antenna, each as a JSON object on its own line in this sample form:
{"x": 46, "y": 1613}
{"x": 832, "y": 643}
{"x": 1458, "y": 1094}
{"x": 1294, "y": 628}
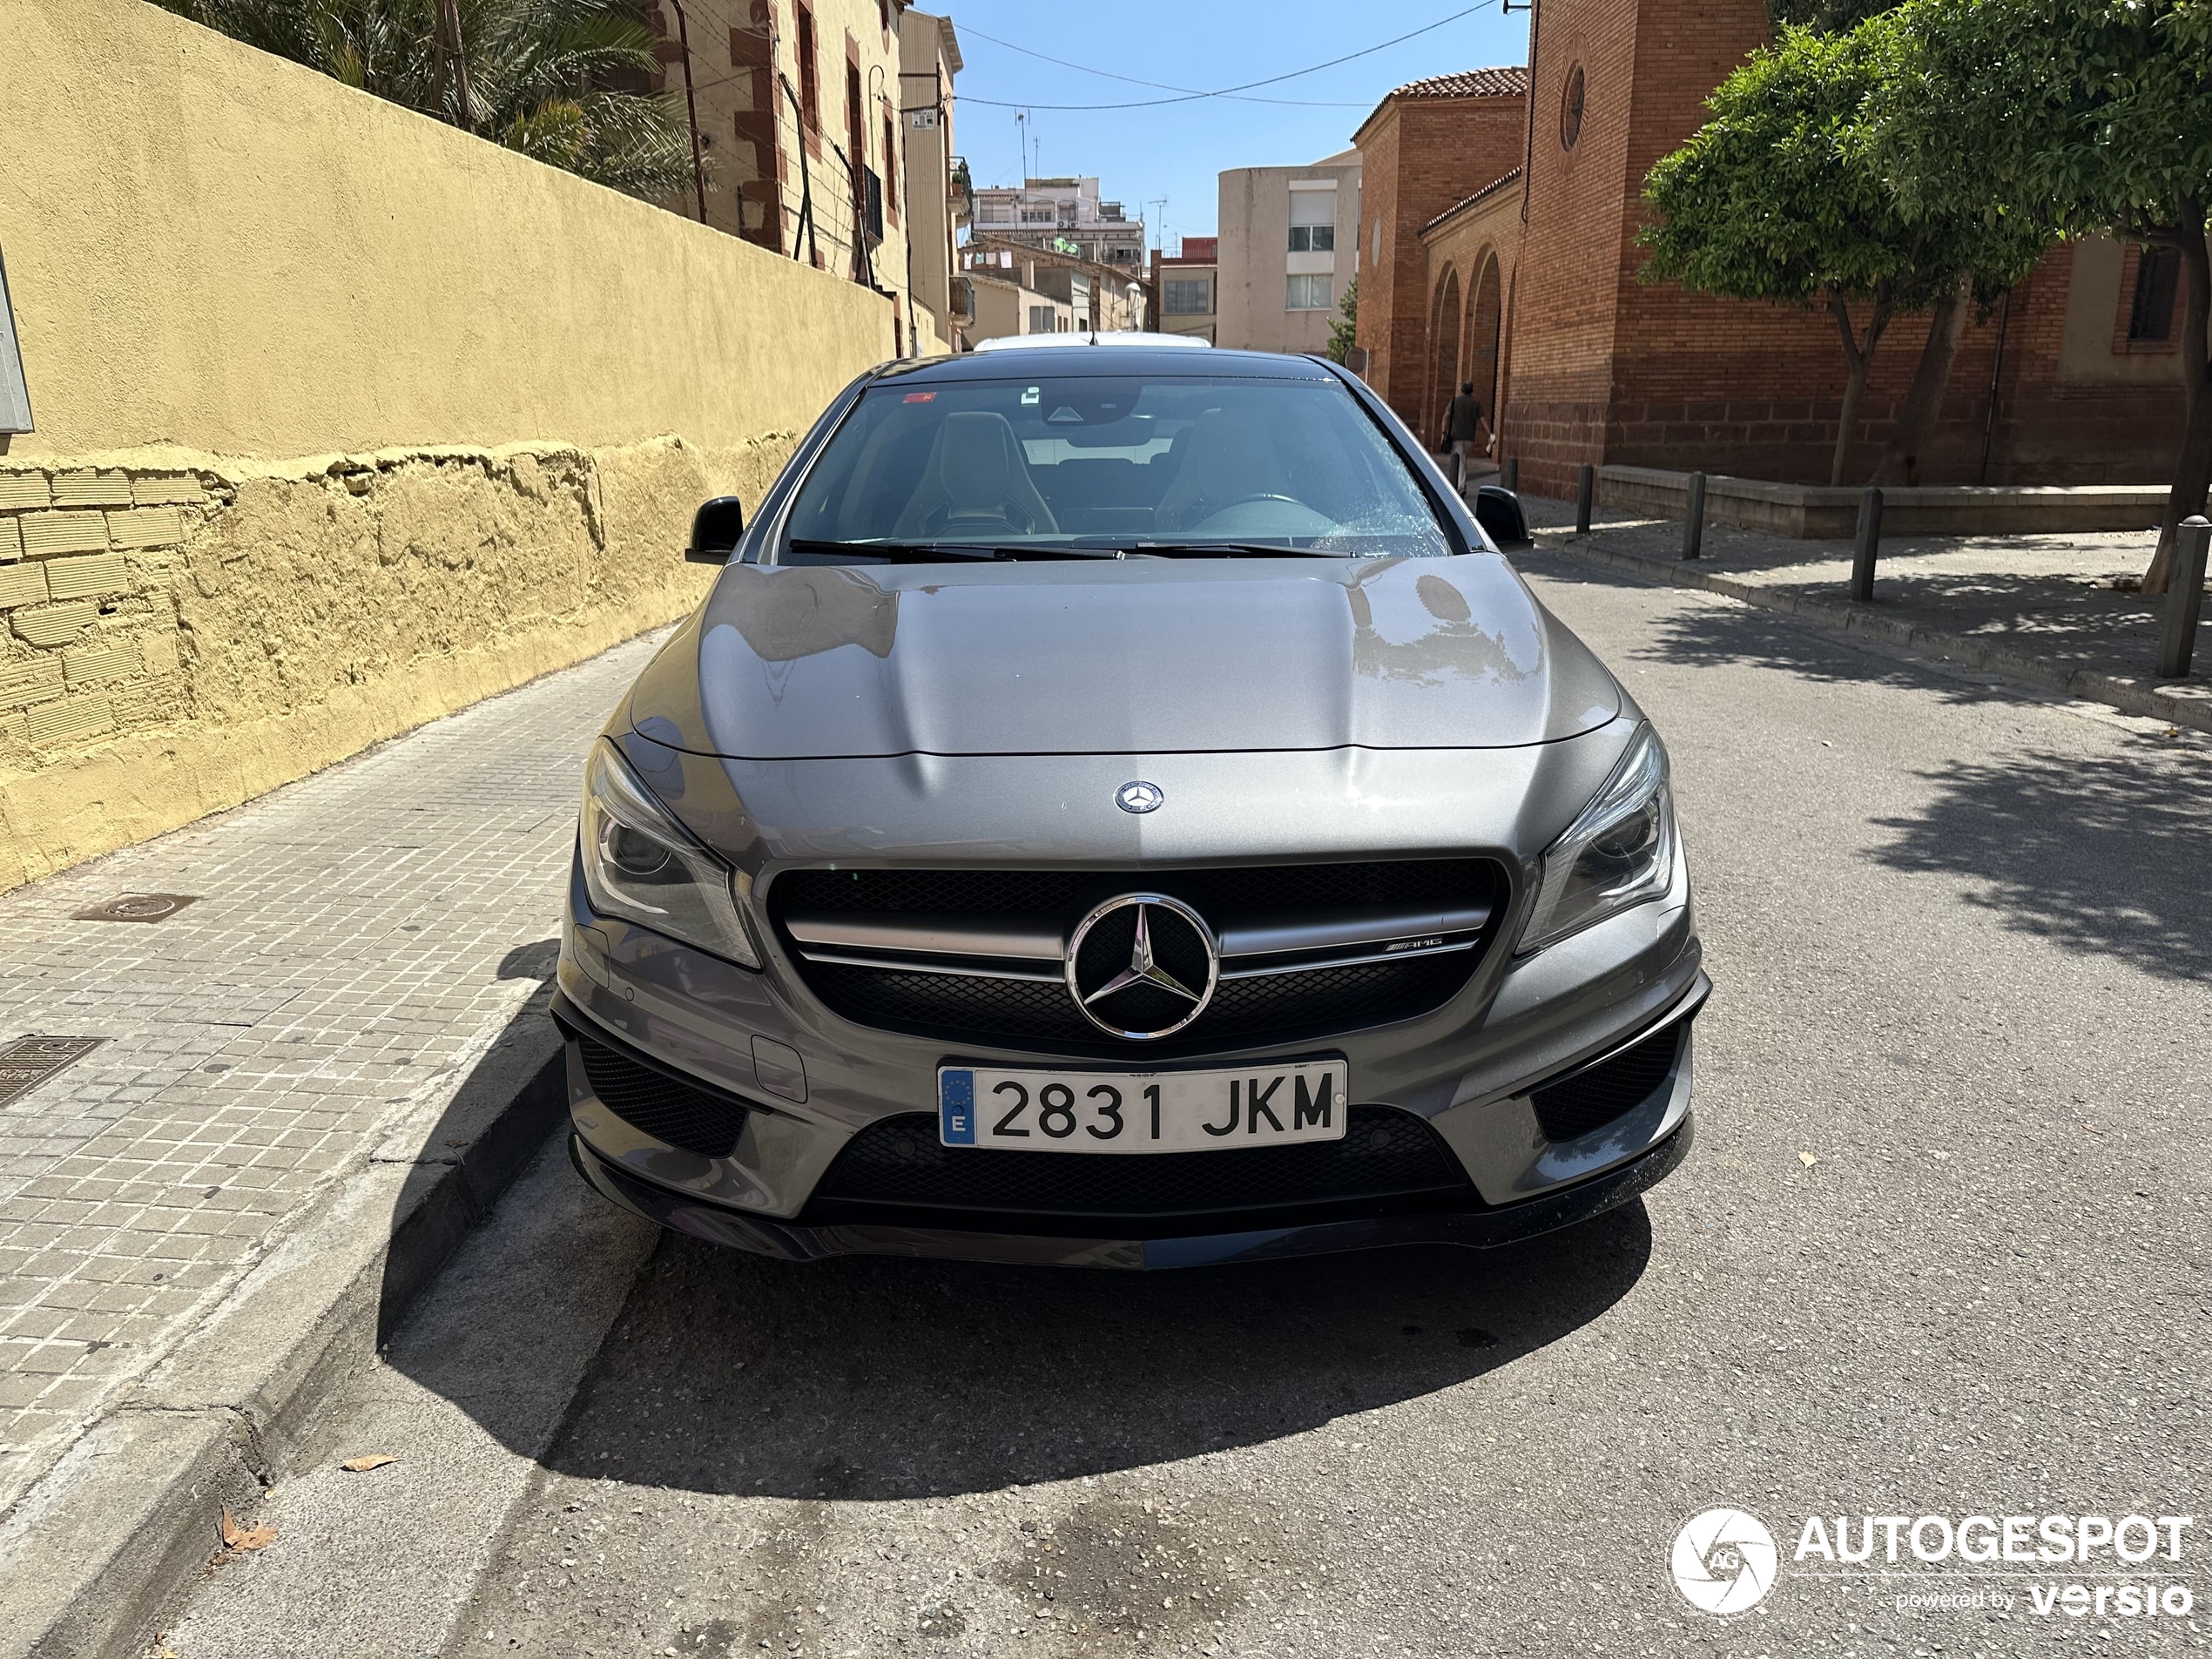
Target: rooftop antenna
{"x": 1160, "y": 226}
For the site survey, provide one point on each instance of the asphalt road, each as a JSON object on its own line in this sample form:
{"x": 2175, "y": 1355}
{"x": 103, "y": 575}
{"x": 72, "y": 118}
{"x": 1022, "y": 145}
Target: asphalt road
{"x": 1941, "y": 1249}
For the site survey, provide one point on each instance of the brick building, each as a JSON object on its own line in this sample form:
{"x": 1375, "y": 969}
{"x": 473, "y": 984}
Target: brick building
{"x": 1427, "y": 145}
{"x": 2075, "y": 378}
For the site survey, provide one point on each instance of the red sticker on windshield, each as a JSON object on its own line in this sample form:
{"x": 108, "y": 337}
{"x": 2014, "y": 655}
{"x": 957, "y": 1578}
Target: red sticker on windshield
{"x": 920, "y": 397}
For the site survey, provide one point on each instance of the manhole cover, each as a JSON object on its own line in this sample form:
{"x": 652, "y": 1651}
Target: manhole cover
{"x": 138, "y": 906}
{"x": 29, "y": 1061}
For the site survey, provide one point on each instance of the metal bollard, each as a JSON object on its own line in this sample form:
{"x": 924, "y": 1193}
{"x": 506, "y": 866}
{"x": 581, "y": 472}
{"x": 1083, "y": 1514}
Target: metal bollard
{"x": 2184, "y": 596}
{"x": 1585, "y": 494}
{"x": 1510, "y": 474}
{"x": 1868, "y": 547}
{"x": 1693, "y": 519}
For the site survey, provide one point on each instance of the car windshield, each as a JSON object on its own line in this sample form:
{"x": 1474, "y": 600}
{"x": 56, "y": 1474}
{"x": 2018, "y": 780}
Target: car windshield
{"x": 1110, "y": 465}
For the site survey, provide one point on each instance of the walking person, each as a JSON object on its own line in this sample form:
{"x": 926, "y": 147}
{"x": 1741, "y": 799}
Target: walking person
{"x": 1468, "y": 438}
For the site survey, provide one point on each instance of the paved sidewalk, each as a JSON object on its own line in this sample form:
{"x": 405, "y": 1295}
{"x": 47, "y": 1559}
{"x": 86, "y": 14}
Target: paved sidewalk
{"x": 2038, "y": 608}
{"x": 358, "y": 940}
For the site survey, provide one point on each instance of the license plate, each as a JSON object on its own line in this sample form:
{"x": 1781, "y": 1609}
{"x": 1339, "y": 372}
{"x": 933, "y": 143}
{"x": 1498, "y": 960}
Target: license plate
{"x": 1143, "y": 1111}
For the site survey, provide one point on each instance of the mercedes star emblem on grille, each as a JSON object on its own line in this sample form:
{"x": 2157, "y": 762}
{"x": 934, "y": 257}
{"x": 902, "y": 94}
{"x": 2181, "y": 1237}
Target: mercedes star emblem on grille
{"x": 1143, "y": 966}
{"x": 1139, "y": 796}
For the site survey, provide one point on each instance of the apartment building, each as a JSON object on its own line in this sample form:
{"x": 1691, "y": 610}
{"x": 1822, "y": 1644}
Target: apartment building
{"x": 799, "y": 109}
{"x": 1005, "y": 304}
{"x": 1065, "y": 214}
{"x": 1186, "y": 284}
{"x": 1089, "y": 294}
{"x": 1288, "y": 248}
{"x": 940, "y": 201}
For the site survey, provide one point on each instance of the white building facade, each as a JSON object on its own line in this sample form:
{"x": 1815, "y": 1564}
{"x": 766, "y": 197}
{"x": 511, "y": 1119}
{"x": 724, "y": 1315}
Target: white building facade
{"x": 1066, "y": 214}
{"x": 1288, "y": 251}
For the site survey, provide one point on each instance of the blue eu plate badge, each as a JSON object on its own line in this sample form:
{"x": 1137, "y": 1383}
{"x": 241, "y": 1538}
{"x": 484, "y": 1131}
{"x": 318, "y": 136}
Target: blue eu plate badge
{"x": 956, "y": 1107}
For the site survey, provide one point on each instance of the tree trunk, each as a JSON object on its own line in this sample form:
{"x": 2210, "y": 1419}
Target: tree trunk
{"x": 2192, "y": 474}
{"x": 1900, "y": 464}
{"x": 449, "y": 28}
{"x": 1859, "y": 354}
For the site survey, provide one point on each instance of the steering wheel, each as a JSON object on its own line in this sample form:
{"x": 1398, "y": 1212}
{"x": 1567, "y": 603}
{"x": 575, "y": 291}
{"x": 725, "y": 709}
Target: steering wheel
{"x": 1264, "y": 513}
{"x": 1262, "y": 494}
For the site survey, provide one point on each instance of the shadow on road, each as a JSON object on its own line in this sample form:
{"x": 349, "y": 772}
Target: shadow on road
{"x": 2096, "y": 853}
{"x": 881, "y": 1378}
{"x": 2060, "y": 622}
{"x": 886, "y": 1379}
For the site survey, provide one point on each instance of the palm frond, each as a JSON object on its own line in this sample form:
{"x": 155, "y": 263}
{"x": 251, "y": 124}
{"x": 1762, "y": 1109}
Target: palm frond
{"x": 544, "y": 74}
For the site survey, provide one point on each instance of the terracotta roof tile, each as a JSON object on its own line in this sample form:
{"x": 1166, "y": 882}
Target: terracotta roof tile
{"x": 1465, "y": 202}
{"x": 1508, "y": 81}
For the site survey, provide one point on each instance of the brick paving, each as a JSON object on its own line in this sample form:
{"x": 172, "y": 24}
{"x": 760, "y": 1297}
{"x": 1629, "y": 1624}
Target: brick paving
{"x": 359, "y": 938}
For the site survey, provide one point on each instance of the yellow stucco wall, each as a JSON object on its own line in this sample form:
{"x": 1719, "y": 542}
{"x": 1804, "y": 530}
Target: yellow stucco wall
{"x": 345, "y": 419}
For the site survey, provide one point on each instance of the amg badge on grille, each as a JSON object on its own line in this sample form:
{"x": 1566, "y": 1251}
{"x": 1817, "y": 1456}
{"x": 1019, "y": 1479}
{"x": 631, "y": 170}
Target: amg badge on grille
{"x": 1139, "y": 797}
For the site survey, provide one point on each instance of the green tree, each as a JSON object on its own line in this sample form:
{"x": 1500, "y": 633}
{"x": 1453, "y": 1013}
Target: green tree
{"x": 559, "y": 80}
{"x": 1781, "y": 197}
{"x": 2093, "y": 115}
{"x": 1344, "y": 332}
{"x": 1829, "y": 17}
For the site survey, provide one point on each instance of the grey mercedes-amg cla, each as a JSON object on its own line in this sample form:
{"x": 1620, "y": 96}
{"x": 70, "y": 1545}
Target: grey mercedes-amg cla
{"x": 1117, "y": 806}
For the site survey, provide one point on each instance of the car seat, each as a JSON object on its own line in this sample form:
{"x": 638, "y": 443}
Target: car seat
{"x": 976, "y": 483}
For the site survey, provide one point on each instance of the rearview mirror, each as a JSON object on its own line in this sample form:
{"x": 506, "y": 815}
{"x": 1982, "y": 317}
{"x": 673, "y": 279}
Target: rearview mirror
{"x": 715, "y": 529}
{"x": 1498, "y": 510}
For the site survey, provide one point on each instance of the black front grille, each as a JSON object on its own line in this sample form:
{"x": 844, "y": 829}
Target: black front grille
{"x": 896, "y": 1166}
{"x": 1591, "y": 1099}
{"x": 1299, "y": 1006}
{"x": 695, "y": 1119}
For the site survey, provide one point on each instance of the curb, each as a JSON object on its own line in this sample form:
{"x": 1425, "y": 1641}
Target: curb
{"x": 109, "y": 1539}
{"x": 2180, "y": 703}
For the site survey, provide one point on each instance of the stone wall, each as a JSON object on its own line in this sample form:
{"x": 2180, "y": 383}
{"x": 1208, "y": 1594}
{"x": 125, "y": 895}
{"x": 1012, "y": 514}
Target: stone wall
{"x": 345, "y": 418}
{"x": 175, "y": 640}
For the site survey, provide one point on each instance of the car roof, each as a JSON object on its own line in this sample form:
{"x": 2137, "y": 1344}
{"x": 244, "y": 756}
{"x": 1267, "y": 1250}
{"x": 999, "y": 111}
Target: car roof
{"x": 1094, "y": 337}
{"x": 1123, "y": 358}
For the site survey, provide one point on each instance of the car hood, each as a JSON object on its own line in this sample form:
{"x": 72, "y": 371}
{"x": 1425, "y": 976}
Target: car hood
{"x": 1125, "y": 656}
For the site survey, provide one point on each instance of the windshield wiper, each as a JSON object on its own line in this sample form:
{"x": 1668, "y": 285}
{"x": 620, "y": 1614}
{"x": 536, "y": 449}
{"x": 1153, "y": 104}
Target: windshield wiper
{"x": 814, "y": 552}
{"x": 1215, "y": 549}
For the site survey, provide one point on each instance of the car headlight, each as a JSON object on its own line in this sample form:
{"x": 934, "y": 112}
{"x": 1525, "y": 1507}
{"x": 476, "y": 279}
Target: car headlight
{"x": 1618, "y": 853}
{"x": 644, "y": 867}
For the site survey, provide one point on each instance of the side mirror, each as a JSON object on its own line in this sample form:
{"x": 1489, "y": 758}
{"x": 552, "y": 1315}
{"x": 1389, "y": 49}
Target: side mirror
{"x": 715, "y": 529}
{"x": 1498, "y": 510}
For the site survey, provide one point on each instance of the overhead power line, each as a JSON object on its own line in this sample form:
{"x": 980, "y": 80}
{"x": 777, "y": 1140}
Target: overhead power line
{"x": 969, "y": 32}
{"x": 1231, "y": 91}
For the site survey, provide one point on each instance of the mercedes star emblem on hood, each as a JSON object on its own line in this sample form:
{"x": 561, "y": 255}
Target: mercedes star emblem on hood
{"x": 1138, "y": 796}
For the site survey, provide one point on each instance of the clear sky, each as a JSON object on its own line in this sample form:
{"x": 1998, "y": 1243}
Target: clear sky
{"x": 1175, "y": 149}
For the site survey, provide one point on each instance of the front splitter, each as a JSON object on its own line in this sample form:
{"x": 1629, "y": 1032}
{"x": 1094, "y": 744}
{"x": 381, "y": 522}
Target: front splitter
{"x": 1477, "y": 1229}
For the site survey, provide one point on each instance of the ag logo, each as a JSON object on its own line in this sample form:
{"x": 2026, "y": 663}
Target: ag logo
{"x": 1724, "y": 1560}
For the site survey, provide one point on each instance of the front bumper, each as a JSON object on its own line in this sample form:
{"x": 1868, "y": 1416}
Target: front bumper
{"x": 1483, "y": 1229}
